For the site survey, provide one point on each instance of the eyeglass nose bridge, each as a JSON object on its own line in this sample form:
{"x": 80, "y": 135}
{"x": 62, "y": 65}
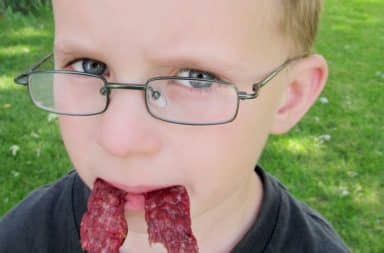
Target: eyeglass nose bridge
{"x": 105, "y": 90}
{"x": 127, "y": 86}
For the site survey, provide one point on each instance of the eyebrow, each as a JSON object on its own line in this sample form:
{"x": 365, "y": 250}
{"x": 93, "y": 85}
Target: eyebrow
{"x": 205, "y": 60}
{"x": 73, "y": 48}
{"x": 201, "y": 60}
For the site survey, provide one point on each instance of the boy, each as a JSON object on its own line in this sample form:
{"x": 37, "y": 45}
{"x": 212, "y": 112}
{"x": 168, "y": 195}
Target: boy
{"x": 239, "y": 71}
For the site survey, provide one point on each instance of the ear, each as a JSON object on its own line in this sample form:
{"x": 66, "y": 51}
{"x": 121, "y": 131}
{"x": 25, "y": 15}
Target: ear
{"x": 306, "y": 79}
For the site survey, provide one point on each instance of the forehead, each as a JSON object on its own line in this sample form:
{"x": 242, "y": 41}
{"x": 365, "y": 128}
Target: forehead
{"x": 234, "y": 26}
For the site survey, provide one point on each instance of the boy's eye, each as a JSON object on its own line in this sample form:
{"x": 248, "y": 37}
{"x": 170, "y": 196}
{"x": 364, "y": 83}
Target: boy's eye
{"x": 89, "y": 66}
{"x": 95, "y": 67}
{"x": 192, "y": 73}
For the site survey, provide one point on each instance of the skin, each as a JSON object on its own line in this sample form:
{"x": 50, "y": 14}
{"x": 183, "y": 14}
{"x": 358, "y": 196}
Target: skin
{"x": 239, "y": 41}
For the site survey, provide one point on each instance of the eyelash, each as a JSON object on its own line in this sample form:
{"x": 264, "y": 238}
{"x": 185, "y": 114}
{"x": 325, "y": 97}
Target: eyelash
{"x": 72, "y": 62}
{"x": 213, "y": 75}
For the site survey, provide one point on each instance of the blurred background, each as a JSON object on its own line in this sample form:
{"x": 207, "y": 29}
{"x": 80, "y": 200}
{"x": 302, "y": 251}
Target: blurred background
{"x": 333, "y": 160}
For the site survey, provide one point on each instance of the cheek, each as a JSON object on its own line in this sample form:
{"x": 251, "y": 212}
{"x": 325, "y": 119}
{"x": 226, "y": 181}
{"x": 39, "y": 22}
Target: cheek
{"x": 78, "y": 134}
{"x": 221, "y": 158}
{"x": 225, "y": 155}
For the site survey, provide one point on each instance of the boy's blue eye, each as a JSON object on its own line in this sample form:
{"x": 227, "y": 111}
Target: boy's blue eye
{"x": 89, "y": 66}
{"x": 192, "y": 73}
{"x": 95, "y": 67}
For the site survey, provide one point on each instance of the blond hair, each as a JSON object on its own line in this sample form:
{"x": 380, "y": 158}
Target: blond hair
{"x": 299, "y": 23}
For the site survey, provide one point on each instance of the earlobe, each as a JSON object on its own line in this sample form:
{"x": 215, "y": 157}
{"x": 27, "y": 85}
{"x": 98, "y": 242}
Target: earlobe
{"x": 306, "y": 80}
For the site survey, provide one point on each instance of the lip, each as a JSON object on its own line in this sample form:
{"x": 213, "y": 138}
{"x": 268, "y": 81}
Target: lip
{"x": 135, "y": 195}
{"x": 138, "y": 189}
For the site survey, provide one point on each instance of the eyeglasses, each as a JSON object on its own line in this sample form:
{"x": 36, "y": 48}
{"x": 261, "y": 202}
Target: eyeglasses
{"x": 179, "y": 100}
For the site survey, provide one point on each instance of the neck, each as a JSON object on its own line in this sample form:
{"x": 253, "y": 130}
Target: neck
{"x": 217, "y": 230}
{"x": 223, "y": 227}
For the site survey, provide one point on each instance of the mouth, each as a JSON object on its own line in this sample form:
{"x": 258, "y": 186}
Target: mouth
{"x": 139, "y": 189}
{"x": 164, "y": 207}
{"x": 135, "y": 195}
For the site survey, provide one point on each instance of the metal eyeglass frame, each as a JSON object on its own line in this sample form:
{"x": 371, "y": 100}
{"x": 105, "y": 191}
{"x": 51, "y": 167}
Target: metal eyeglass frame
{"x": 23, "y": 79}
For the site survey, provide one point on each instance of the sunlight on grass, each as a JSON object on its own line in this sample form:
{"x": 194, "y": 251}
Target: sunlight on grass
{"x": 297, "y": 147}
{"x": 302, "y": 145}
{"x": 361, "y": 196}
{"x": 27, "y": 34}
{"x": 366, "y": 196}
{"x": 15, "y": 50}
{"x": 30, "y": 31}
{"x": 369, "y": 1}
{"x": 7, "y": 84}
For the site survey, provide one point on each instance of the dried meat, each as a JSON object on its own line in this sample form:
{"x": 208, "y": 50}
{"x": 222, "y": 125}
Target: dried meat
{"x": 167, "y": 212}
{"x": 103, "y": 227}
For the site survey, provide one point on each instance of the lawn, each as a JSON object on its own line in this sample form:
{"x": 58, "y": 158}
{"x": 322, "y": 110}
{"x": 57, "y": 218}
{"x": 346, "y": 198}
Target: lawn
{"x": 333, "y": 160}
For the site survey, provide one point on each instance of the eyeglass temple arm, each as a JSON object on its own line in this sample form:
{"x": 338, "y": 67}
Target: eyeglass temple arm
{"x": 257, "y": 86}
{"x": 23, "y": 78}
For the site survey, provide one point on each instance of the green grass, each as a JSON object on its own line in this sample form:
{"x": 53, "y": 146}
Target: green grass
{"x": 41, "y": 157}
{"x": 24, "y": 6}
{"x": 341, "y": 175}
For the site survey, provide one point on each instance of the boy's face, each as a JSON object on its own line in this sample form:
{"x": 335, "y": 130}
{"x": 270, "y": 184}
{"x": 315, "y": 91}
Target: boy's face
{"x": 236, "y": 40}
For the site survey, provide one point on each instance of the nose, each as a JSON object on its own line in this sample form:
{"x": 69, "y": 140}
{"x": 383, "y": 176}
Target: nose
{"x": 126, "y": 127}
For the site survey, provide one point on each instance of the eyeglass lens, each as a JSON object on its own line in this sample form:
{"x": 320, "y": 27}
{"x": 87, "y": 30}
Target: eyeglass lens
{"x": 176, "y": 100}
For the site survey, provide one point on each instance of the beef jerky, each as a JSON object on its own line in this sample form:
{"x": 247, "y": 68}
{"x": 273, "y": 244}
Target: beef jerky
{"x": 168, "y": 218}
{"x": 103, "y": 227}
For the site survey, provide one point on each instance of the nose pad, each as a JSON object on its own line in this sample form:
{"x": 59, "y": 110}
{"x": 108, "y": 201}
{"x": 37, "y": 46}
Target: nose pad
{"x": 126, "y": 128}
{"x": 156, "y": 97}
{"x": 104, "y": 91}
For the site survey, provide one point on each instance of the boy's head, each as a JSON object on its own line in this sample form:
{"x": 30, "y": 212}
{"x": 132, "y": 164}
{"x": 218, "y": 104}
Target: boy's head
{"x": 236, "y": 41}
{"x": 299, "y": 23}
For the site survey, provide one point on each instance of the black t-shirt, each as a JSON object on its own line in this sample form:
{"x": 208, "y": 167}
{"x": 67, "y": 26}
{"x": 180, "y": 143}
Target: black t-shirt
{"x": 48, "y": 221}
